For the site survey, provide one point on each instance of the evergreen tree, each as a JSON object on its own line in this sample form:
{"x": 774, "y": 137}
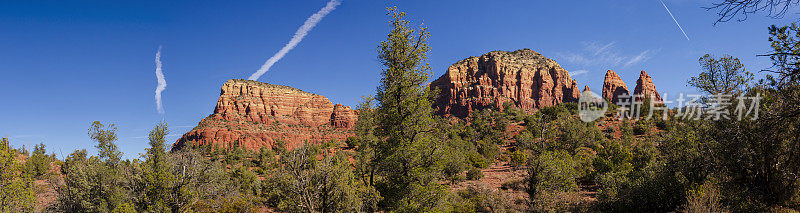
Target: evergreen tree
{"x": 725, "y": 75}
{"x": 39, "y": 162}
{"x": 158, "y": 177}
{"x": 16, "y": 187}
{"x": 107, "y": 179}
{"x": 408, "y": 158}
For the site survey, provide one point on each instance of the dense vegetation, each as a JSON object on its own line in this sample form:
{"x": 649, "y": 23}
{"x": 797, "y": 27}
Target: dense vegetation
{"x": 405, "y": 159}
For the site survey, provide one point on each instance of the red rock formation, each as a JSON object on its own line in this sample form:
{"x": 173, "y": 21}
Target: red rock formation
{"x": 586, "y": 88}
{"x": 645, "y": 87}
{"x": 343, "y": 117}
{"x": 252, "y": 115}
{"x": 523, "y": 77}
{"x": 613, "y": 87}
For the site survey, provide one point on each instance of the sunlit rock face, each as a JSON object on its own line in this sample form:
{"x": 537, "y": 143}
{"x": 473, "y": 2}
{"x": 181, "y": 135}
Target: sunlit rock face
{"x": 523, "y": 77}
{"x": 613, "y": 87}
{"x": 252, "y": 115}
{"x": 646, "y": 88}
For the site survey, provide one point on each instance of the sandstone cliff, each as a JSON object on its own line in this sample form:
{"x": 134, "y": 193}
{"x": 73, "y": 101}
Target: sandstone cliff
{"x": 523, "y": 77}
{"x": 645, "y": 87}
{"x": 613, "y": 87}
{"x": 252, "y": 115}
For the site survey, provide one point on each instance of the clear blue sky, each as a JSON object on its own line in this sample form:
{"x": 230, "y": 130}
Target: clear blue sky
{"x": 64, "y": 64}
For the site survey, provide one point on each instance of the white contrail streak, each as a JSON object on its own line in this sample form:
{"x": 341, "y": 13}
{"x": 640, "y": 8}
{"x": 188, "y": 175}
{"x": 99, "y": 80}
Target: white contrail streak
{"x": 676, "y": 21}
{"x": 298, "y": 36}
{"x": 162, "y": 83}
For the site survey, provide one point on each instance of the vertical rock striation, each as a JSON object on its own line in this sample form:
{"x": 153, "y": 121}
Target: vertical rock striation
{"x": 252, "y": 115}
{"x": 523, "y": 77}
{"x": 613, "y": 87}
{"x": 646, "y": 88}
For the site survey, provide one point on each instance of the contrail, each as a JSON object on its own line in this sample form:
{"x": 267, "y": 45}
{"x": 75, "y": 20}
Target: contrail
{"x": 162, "y": 83}
{"x": 676, "y": 21}
{"x": 298, "y": 36}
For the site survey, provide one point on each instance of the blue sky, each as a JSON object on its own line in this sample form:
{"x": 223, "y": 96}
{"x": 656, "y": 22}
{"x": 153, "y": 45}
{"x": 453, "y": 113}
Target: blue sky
{"x": 64, "y": 64}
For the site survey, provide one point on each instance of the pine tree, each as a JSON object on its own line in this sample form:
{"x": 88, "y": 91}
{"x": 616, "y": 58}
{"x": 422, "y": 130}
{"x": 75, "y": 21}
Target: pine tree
{"x": 106, "y": 180}
{"x": 16, "y": 187}
{"x": 158, "y": 177}
{"x": 39, "y": 163}
{"x": 408, "y": 159}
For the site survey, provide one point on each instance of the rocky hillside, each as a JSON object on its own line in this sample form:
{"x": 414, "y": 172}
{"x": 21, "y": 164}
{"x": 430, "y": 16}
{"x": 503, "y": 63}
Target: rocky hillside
{"x": 252, "y": 115}
{"x": 523, "y": 77}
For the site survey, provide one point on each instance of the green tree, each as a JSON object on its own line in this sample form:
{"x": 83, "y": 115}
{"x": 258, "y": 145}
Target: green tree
{"x": 200, "y": 184}
{"x": 305, "y": 184}
{"x": 78, "y": 193}
{"x": 724, "y": 75}
{"x": 408, "y": 157}
{"x": 39, "y": 162}
{"x": 157, "y": 175}
{"x": 365, "y": 165}
{"x": 107, "y": 178}
{"x": 16, "y": 187}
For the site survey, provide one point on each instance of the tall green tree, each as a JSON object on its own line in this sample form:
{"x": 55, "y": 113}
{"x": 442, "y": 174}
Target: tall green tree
{"x": 407, "y": 158}
{"x": 16, "y": 187}
{"x": 724, "y": 75}
{"x": 367, "y": 141}
{"x": 111, "y": 193}
{"x": 39, "y": 162}
{"x": 157, "y": 174}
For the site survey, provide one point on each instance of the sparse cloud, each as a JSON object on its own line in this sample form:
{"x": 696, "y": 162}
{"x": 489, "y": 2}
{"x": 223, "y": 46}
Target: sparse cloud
{"x": 578, "y": 72}
{"x": 605, "y": 55}
{"x": 29, "y": 137}
{"x": 170, "y": 135}
{"x": 643, "y": 56}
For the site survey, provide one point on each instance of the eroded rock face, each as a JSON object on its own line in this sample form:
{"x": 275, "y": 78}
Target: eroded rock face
{"x": 252, "y": 115}
{"x": 343, "y": 117}
{"x": 613, "y": 87}
{"x": 646, "y": 88}
{"x": 586, "y": 89}
{"x": 523, "y": 77}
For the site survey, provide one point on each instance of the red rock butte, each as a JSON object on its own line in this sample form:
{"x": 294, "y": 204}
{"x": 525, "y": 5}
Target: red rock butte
{"x": 252, "y": 115}
{"x": 522, "y": 77}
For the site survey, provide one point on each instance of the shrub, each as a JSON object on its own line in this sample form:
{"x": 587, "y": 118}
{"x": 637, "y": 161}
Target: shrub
{"x": 477, "y": 160}
{"x": 518, "y": 158}
{"x": 516, "y": 184}
{"x": 488, "y": 149}
{"x": 706, "y": 199}
{"x": 558, "y": 202}
{"x": 352, "y": 142}
{"x": 640, "y": 128}
{"x": 661, "y": 124}
{"x": 474, "y": 174}
{"x": 484, "y": 199}
{"x": 584, "y": 157}
{"x": 552, "y": 171}
{"x": 453, "y": 166}
{"x": 279, "y": 146}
